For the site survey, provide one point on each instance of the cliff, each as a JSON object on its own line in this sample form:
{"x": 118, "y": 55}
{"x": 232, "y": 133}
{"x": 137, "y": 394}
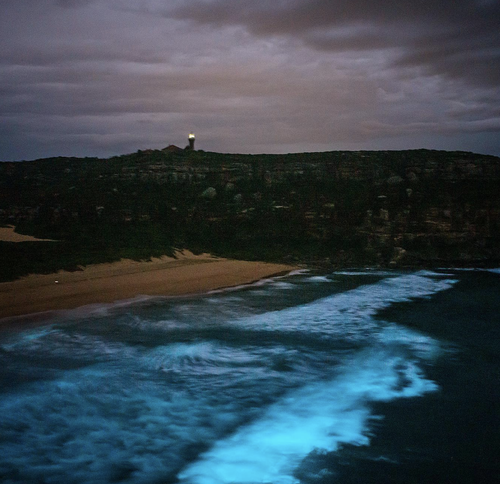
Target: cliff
{"x": 395, "y": 208}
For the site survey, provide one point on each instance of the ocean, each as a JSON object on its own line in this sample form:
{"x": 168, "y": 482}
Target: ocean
{"x": 346, "y": 377}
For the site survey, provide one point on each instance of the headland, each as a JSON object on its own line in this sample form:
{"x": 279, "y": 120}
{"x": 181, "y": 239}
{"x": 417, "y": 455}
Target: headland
{"x": 396, "y": 209}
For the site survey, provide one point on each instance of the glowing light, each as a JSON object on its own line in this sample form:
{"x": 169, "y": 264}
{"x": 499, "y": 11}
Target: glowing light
{"x": 191, "y": 136}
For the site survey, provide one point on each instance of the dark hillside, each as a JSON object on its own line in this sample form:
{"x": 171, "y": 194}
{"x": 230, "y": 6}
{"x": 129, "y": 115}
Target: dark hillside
{"x": 396, "y": 208}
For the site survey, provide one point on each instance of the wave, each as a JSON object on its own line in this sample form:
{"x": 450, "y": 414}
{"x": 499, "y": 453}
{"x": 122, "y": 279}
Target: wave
{"x": 339, "y": 314}
{"x": 135, "y": 395}
{"x": 367, "y": 272}
{"x": 318, "y": 279}
{"x": 317, "y": 417}
{"x": 261, "y": 282}
{"x": 322, "y": 415}
{"x": 53, "y": 342}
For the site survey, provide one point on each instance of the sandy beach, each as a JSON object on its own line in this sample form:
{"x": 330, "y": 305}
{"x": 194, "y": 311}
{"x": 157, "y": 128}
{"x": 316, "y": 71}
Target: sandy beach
{"x": 8, "y": 234}
{"x": 106, "y": 283}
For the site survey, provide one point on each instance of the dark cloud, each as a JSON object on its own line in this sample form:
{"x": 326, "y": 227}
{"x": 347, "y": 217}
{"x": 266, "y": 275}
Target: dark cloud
{"x": 100, "y": 77}
{"x": 456, "y": 38}
{"x": 73, "y": 3}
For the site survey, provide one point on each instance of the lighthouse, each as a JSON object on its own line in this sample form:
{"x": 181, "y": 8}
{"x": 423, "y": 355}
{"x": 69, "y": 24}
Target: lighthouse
{"x": 191, "y": 141}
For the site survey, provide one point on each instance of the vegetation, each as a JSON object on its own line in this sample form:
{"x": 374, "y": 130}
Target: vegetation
{"x": 344, "y": 208}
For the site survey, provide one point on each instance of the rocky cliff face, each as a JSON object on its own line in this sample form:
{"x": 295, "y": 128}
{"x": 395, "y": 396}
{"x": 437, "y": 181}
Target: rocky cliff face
{"x": 393, "y": 208}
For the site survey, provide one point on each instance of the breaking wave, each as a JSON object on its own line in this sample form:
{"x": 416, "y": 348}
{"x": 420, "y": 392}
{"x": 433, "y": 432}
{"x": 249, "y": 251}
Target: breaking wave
{"x": 235, "y": 387}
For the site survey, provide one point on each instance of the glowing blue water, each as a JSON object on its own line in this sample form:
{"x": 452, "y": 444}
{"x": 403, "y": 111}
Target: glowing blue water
{"x": 236, "y": 387}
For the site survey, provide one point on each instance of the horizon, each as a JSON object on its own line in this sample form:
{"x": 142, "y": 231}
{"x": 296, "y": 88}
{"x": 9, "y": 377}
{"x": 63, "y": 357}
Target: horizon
{"x": 96, "y": 78}
{"x": 249, "y": 154}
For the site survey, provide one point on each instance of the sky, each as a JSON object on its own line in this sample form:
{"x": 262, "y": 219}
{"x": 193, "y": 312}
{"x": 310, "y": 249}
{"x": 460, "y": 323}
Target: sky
{"x": 107, "y": 77}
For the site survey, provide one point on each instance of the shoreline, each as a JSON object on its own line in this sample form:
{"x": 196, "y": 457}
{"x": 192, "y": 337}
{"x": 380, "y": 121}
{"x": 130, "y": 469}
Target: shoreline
{"x": 186, "y": 274}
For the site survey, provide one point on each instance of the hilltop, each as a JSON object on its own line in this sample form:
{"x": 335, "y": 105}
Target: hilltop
{"x": 417, "y": 208}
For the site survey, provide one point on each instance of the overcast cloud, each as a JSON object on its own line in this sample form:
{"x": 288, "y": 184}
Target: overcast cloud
{"x": 104, "y": 77}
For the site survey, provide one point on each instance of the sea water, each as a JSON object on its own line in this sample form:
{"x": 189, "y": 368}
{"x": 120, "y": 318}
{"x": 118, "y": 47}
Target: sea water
{"x": 309, "y": 378}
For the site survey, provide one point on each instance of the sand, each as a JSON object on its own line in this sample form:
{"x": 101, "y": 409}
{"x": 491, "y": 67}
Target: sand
{"x": 7, "y": 234}
{"x": 106, "y": 283}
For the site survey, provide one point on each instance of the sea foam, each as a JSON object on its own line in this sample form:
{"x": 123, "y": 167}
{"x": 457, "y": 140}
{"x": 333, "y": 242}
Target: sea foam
{"x": 317, "y": 417}
{"x": 191, "y": 388}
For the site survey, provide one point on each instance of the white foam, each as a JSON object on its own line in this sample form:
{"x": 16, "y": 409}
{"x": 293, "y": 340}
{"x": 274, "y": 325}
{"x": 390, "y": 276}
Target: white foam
{"x": 76, "y": 428}
{"x": 494, "y": 271}
{"x": 422, "y": 345}
{"x": 259, "y": 283}
{"x": 142, "y": 406}
{"x": 53, "y": 342}
{"x": 178, "y": 356}
{"x": 370, "y": 272}
{"x": 319, "y": 416}
{"x": 209, "y": 359}
{"x": 16, "y": 340}
{"x": 319, "y": 279}
{"x": 298, "y": 272}
{"x": 283, "y": 285}
{"x": 343, "y": 313}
